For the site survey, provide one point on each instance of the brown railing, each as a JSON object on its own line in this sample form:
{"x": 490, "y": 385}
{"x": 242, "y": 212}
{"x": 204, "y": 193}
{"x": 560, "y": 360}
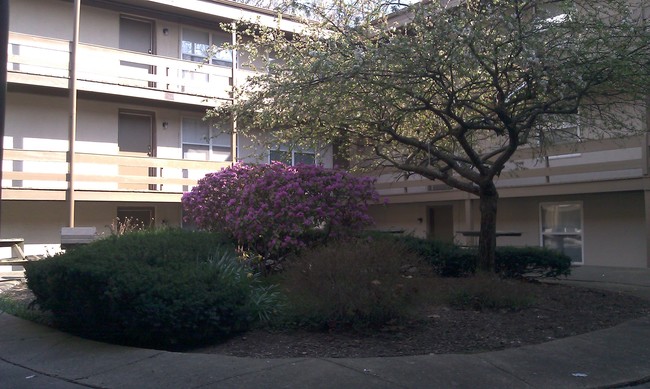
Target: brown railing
{"x": 588, "y": 161}
{"x": 101, "y": 68}
{"x": 47, "y": 170}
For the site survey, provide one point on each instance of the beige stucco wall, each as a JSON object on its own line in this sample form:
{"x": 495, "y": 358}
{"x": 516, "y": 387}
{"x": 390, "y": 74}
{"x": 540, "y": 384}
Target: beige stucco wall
{"x": 35, "y": 122}
{"x": 54, "y": 18}
{"x": 614, "y": 224}
{"x": 392, "y": 217}
{"x": 40, "y": 222}
{"x": 99, "y": 27}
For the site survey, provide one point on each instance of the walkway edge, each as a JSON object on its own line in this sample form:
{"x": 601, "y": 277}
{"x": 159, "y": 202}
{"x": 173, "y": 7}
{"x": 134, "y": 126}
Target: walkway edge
{"x": 611, "y": 357}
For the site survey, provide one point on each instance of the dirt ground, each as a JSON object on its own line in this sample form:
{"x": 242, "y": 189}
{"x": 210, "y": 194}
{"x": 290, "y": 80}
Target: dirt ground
{"x": 559, "y": 311}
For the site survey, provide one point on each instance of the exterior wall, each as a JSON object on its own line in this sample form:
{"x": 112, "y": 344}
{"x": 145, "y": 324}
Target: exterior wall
{"x": 400, "y": 217}
{"x": 53, "y": 19}
{"x": 613, "y": 223}
{"x": 98, "y": 26}
{"x": 40, "y": 222}
{"x": 36, "y": 122}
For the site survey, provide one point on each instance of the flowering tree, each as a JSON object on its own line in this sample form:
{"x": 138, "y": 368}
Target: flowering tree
{"x": 449, "y": 90}
{"x": 271, "y": 208}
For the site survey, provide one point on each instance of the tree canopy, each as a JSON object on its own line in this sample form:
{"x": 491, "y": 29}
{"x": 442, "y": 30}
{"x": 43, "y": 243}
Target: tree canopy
{"x": 450, "y": 92}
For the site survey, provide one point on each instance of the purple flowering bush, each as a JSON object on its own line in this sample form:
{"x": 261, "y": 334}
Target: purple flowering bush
{"x": 272, "y": 208}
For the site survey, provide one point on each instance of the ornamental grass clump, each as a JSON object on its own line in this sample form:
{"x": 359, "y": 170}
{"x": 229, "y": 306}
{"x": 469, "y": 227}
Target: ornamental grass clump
{"x": 275, "y": 209}
{"x": 354, "y": 283}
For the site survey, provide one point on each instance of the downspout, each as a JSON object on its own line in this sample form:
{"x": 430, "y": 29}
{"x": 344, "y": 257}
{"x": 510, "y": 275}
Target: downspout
{"x": 4, "y": 47}
{"x": 233, "y": 139}
{"x": 72, "y": 135}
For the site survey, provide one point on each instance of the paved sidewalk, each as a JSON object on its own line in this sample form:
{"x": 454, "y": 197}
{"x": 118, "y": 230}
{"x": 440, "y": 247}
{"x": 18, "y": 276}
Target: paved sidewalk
{"x": 33, "y": 356}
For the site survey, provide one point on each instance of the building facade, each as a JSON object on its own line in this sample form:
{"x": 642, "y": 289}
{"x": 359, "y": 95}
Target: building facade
{"x": 105, "y": 107}
{"x": 587, "y": 198}
{"x": 109, "y": 124}
{"x": 590, "y": 200}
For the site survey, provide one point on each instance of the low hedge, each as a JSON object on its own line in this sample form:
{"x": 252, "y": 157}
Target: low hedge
{"x": 166, "y": 289}
{"x": 516, "y": 262}
{"x": 449, "y": 260}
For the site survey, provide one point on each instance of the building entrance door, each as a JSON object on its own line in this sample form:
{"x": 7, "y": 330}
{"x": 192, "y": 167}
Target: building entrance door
{"x": 440, "y": 223}
{"x": 135, "y": 138}
{"x": 137, "y": 35}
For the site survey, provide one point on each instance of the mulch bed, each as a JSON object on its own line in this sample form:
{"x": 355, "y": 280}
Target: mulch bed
{"x": 560, "y": 311}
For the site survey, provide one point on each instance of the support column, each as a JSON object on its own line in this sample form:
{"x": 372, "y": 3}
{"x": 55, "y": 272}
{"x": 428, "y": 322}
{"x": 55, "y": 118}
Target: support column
{"x": 646, "y": 198}
{"x": 233, "y": 139}
{"x": 469, "y": 222}
{"x": 4, "y": 43}
{"x": 72, "y": 134}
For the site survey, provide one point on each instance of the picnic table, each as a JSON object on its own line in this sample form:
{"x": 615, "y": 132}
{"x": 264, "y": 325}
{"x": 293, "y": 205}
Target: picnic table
{"x": 17, "y": 251}
{"x": 499, "y": 233}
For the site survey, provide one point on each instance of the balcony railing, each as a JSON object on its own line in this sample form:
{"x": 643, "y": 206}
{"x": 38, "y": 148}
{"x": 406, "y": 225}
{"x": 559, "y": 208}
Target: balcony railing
{"x": 46, "y": 171}
{"x": 45, "y": 61}
{"x": 590, "y": 162}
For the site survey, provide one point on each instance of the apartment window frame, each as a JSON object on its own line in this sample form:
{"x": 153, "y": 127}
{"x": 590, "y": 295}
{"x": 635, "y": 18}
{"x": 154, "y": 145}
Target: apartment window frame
{"x": 135, "y": 213}
{"x": 213, "y": 140}
{"x": 558, "y": 130}
{"x": 560, "y": 234}
{"x": 291, "y": 157}
{"x": 200, "y": 52}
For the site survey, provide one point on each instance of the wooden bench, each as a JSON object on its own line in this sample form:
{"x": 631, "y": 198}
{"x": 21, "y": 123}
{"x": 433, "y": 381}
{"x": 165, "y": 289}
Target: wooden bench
{"x": 75, "y": 236}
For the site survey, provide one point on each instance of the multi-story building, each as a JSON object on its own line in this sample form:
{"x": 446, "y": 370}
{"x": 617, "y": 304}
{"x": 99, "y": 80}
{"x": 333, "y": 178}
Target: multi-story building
{"x": 591, "y": 201}
{"x": 109, "y": 124}
{"x": 105, "y": 120}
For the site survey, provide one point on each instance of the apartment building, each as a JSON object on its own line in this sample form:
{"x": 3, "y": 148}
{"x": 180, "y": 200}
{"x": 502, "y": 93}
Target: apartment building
{"x": 589, "y": 200}
{"x": 123, "y": 104}
{"x": 105, "y": 120}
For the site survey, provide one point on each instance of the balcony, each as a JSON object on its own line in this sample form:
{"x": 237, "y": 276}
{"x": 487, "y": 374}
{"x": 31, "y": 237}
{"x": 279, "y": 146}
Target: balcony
{"x": 45, "y": 62}
{"x": 42, "y": 175}
{"x": 607, "y": 165}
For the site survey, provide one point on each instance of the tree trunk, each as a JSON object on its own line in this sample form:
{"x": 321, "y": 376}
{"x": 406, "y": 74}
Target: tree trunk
{"x": 487, "y": 241}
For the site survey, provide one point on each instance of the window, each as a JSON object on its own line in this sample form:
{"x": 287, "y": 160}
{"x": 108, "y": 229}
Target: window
{"x": 559, "y": 129}
{"x": 197, "y": 45}
{"x": 561, "y": 228}
{"x": 202, "y": 142}
{"x": 139, "y": 217}
{"x": 283, "y": 155}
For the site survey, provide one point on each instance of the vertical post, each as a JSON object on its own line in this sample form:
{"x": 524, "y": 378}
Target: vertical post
{"x": 72, "y": 134}
{"x": 469, "y": 222}
{"x": 4, "y": 46}
{"x": 233, "y": 139}
{"x": 646, "y": 198}
{"x": 645, "y": 152}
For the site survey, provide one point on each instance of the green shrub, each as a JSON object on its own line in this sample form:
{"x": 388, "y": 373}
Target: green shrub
{"x": 515, "y": 262}
{"x": 164, "y": 289}
{"x": 355, "y": 284}
{"x": 449, "y": 260}
{"x": 446, "y": 259}
{"x": 484, "y": 292}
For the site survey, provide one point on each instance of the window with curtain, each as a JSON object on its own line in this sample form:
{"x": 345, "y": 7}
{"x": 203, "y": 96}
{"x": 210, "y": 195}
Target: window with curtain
{"x": 197, "y": 45}
{"x": 561, "y": 228}
{"x": 289, "y": 157}
{"x": 202, "y": 142}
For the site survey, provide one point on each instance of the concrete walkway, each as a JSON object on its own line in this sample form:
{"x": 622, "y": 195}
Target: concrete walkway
{"x": 33, "y": 356}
